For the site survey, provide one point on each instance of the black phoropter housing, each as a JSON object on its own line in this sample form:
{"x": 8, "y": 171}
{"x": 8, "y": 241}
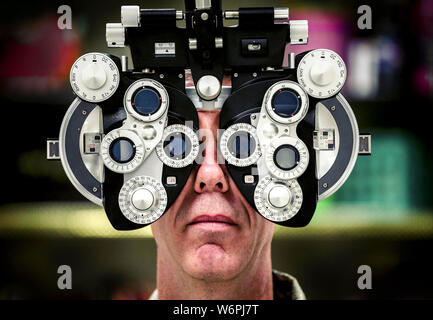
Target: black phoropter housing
{"x": 205, "y": 46}
{"x": 250, "y": 53}
{"x": 316, "y": 135}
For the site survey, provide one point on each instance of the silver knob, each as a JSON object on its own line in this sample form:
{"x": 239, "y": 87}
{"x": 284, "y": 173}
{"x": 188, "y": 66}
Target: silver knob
{"x": 279, "y": 196}
{"x": 130, "y": 16}
{"x": 323, "y": 73}
{"x": 208, "y": 87}
{"x": 298, "y": 31}
{"x": 115, "y": 35}
{"x": 281, "y": 13}
{"x": 93, "y": 76}
{"x": 142, "y": 199}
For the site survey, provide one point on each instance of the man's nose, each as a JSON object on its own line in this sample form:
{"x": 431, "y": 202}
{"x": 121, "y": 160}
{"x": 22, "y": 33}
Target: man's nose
{"x": 210, "y": 175}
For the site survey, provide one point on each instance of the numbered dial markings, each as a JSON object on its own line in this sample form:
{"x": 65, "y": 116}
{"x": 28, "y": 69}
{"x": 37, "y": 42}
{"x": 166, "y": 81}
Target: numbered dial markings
{"x": 278, "y": 200}
{"x": 239, "y": 145}
{"x": 94, "y": 77}
{"x": 142, "y": 200}
{"x": 287, "y": 158}
{"x": 322, "y": 73}
{"x": 286, "y": 102}
{"x": 146, "y": 100}
{"x": 179, "y": 146}
{"x": 122, "y": 151}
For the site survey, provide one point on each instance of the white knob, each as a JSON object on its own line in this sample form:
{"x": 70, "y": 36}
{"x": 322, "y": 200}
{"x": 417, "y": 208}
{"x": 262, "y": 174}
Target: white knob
{"x": 93, "y": 76}
{"x": 298, "y": 31}
{"x": 208, "y": 87}
{"x": 279, "y": 196}
{"x": 142, "y": 199}
{"x": 322, "y": 73}
{"x": 115, "y": 35}
{"x": 130, "y": 16}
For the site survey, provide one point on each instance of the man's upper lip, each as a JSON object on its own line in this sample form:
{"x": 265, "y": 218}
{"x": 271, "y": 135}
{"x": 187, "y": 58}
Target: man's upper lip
{"x": 215, "y": 218}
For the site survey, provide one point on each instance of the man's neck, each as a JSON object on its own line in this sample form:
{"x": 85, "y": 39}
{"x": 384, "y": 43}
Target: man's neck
{"x": 253, "y": 283}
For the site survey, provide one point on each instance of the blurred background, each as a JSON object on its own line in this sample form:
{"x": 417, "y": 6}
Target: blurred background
{"x": 381, "y": 217}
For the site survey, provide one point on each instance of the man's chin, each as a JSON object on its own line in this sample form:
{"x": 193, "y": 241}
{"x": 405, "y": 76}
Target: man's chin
{"x": 210, "y": 262}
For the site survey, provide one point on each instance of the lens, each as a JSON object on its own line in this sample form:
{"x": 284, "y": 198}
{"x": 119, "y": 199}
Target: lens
{"x": 241, "y": 144}
{"x": 286, "y": 157}
{"x": 146, "y": 101}
{"x": 285, "y": 103}
{"x": 177, "y": 145}
{"x": 122, "y": 150}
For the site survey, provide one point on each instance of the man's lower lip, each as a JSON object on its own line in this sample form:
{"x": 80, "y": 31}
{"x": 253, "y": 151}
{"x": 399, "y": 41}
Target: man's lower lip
{"x": 211, "y": 225}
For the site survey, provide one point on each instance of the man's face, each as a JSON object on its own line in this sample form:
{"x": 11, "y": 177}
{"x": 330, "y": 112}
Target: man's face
{"x": 211, "y": 232}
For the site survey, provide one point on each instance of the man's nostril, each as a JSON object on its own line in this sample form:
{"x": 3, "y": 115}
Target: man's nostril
{"x": 202, "y": 184}
{"x": 219, "y": 185}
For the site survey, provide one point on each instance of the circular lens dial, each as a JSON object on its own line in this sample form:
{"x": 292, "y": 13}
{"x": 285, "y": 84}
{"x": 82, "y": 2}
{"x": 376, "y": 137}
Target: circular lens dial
{"x": 239, "y": 145}
{"x": 122, "y": 151}
{"x": 179, "y": 146}
{"x": 286, "y": 102}
{"x": 287, "y": 158}
{"x": 278, "y": 200}
{"x": 94, "y": 77}
{"x": 322, "y": 73}
{"x": 142, "y": 200}
{"x": 146, "y": 100}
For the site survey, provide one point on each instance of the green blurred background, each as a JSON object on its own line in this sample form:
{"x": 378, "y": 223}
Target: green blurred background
{"x": 381, "y": 217}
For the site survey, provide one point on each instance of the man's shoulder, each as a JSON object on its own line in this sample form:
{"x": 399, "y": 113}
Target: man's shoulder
{"x": 286, "y": 287}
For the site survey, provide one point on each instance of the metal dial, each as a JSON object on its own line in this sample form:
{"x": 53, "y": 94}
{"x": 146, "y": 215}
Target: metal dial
{"x": 146, "y": 100}
{"x": 322, "y": 73}
{"x": 179, "y": 146}
{"x": 94, "y": 77}
{"x": 208, "y": 87}
{"x": 240, "y": 145}
{"x": 122, "y": 150}
{"x": 287, "y": 158}
{"x": 277, "y": 105}
{"x": 278, "y": 200}
{"x": 142, "y": 200}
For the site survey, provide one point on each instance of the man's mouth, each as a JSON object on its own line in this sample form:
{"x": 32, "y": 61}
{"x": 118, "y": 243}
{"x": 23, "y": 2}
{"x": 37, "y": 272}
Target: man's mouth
{"x": 216, "y": 219}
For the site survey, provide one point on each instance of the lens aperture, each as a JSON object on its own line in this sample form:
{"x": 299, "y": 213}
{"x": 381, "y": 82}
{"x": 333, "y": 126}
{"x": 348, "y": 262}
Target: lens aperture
{"x": 177, "y": 145}
{"x": 286, "y": 157}
{"x": 242, "y": 145}
{"x": 122, "y": 150}
{"x": 286, "y": 103}
{"x": 146, "y": 101}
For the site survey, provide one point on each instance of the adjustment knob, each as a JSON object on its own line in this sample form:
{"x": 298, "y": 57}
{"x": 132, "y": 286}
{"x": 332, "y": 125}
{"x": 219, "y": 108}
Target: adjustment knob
{"x": 208, "y": 87}
{"x": 115, "y": 35}
{"x": 130, "y": 16}
{"x": 279, "y": 196}
{"x": 298, "y": 31}
{"x": 93, "y": 76}
{"x": 278, "y": 200}
{"x": 322, "y": 73}
{"x": 142, "y": 199}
